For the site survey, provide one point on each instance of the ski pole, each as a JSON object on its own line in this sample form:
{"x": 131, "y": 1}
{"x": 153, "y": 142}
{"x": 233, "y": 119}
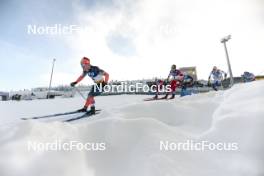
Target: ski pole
{"x": 80, "y": 93}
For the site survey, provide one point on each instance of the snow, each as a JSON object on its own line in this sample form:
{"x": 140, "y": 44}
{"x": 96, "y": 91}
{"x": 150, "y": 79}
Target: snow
{"x": 132, "y": 131}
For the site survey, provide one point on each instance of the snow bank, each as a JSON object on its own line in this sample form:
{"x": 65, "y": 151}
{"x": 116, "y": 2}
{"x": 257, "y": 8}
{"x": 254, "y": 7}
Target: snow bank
{"x": 132, "y": 131}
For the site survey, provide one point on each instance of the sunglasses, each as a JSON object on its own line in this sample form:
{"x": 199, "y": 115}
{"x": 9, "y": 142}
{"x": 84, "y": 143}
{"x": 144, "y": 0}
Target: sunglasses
{"x": 84, "y": 65}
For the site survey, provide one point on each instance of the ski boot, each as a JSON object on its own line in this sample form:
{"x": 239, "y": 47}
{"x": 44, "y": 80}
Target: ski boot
{"x": 173, "y": 96}
{"x": 84, "y": 109}
{"x": 92, "y": 111}
{"x": 155, "y": 97}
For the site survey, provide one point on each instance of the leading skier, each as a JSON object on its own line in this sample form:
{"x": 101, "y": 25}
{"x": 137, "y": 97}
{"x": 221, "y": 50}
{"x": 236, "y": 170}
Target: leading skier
{"x": 100, "y": 78}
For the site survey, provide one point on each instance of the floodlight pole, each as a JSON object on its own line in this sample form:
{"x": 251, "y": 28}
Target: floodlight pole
{"x": 224, "y": 40}
{"x": 51, "y": 75}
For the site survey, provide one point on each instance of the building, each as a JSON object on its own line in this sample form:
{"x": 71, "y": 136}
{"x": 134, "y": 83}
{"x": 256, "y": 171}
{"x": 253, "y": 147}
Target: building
{"x": 190, "y": 71}
{"x": 4, "y": 96}
{"x": 260, "y": 77}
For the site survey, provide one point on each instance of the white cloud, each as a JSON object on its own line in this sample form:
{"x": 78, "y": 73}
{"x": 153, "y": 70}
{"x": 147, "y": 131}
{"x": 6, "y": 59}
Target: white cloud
{"x": 186, "y": 33}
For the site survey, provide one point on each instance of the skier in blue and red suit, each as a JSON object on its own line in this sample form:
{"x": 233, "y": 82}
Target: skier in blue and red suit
{"x": 100, "y": 78}
{"x": 187, "y": 82}
{"x": 176, "y": 78}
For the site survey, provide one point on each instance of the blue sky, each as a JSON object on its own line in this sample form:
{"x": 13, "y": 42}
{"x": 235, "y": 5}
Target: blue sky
{"x": 129, "y": 39}
{"x": 25, "y": 57}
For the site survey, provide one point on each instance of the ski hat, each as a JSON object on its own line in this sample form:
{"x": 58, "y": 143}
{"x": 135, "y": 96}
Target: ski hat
{"x": 173, "y": 67}
{"x": 85, "y": 61}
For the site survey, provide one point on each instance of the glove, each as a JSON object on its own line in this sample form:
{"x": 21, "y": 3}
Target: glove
{"x": 104, "y": 83}
{"x": 73, "y": 84}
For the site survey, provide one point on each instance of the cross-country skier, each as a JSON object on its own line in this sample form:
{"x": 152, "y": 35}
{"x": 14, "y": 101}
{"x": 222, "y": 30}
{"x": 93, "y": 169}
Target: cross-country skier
{"x": 217, "y": 75}
{"x": 248, "y": 77}
{"x": 186, "y": 82}
{"x": 159, "y": 83}
{"x": 176, "y": 78}
{"x": 100, "y": 78}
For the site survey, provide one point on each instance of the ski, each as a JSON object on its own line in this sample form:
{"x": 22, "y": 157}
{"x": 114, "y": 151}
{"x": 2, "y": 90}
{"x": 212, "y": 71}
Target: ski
{"x": 85, "y": 115}
{"x": 51, "y": 115}
{"x": 149, "y": 99}
{"x": 153, "y": 99}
